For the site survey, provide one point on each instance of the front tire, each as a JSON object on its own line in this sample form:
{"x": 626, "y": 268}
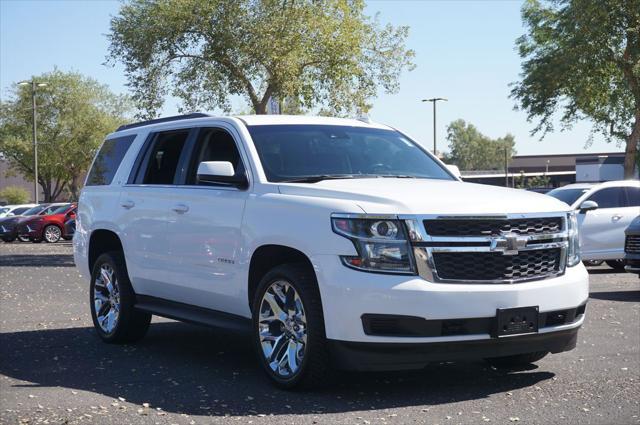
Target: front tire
{"x": 23, "y": 238}
{"x": 517, "y": 360}
{"x": 112, "y": 301}
{"x": 8, "y": 240}
{"x": 288, "y": 328}
{"x": 52, "y": 233}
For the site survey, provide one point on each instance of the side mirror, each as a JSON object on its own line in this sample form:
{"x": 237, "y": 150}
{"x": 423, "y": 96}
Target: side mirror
{"x": 588, "y": 206}
{"x": 454, "y": 170}
{"x": 219, "y": 173}
{"x": 10, "y": 214}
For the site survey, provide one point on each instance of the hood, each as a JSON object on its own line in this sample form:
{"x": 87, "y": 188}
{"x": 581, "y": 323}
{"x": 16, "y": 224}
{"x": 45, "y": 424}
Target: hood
{"x": 427, "y": 196}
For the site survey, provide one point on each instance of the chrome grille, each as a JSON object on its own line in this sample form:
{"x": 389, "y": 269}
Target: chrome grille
{"x": 632, "y": 244}
{"x": 507, "y": 248}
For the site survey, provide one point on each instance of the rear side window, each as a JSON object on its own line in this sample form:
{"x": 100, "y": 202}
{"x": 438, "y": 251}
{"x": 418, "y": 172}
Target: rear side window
{"x": 159, "y": 164}
{"x": 108, "y": 160}
{"x": 633, "y": 196}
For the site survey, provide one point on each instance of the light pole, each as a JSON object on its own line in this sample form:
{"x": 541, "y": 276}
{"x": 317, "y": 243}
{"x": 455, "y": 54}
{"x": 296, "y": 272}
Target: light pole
{"x": 34, "y": 86}
{"x": 434, "y": 100}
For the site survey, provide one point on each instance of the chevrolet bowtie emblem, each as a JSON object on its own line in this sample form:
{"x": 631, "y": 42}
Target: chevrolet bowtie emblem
{"x": 509, "y": 244}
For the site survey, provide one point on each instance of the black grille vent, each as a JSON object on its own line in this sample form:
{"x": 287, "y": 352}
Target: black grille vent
{"x": 483, "y": 266}
{"x": 632, "y": 244}
{"x": 482, "y": 227}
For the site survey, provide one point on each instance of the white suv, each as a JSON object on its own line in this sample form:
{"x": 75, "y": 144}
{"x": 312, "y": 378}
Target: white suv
{"x": 334, "y": 243}
{"x": 604, "y": 210}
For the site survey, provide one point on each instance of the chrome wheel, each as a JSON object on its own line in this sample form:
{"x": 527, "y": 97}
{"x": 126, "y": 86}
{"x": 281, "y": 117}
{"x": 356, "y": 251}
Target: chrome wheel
{"x": 106, "y": 299}
{"x": 282, "y": 328}
{"x": 52, "y": 234}
{"x": 23, "y": 238}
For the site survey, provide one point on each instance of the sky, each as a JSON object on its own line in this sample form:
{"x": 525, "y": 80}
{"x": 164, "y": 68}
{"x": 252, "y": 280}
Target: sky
{"x": 465, "y": 52}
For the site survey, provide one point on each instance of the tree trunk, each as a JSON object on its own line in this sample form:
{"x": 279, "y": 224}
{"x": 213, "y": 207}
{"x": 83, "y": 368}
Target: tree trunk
{"x": 631, "y": 151}
{"x": 261, "y": 109}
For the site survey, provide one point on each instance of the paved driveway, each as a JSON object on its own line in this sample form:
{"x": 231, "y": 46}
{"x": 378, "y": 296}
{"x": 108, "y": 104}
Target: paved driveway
{"x": 53, "y": 367}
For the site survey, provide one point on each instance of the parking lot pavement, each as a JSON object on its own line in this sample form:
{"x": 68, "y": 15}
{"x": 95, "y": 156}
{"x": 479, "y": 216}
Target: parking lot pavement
{"x": 53, "y": 368}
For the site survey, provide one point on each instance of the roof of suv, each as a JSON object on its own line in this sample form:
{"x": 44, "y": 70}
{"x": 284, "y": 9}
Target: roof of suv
{"x": 251, "y": 120}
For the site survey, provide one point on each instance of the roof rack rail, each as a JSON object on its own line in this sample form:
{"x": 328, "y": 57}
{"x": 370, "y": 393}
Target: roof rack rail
{"x": 165, "y": 119}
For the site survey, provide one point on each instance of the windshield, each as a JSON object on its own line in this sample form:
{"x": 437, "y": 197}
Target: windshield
{"x": 568, "y": 195}
{"x": 299, "y": 152}
{"x": 35, "y": 210}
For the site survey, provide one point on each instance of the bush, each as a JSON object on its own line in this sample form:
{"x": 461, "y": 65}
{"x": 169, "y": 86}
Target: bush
{"x": 15, "y": 195}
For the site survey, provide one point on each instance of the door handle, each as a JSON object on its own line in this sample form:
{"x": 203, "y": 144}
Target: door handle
{"x": 616, "y": 217}
{"x": 128, "y": 204}
{"x": 180, "y": 208}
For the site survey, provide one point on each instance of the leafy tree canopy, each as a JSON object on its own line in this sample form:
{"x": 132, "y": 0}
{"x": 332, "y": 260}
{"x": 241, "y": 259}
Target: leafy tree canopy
{"x": 472, "y": 150}
{"x": 325, "y": 54}
{"x": 74, "y": 113}
{"x": 582, "y": 59}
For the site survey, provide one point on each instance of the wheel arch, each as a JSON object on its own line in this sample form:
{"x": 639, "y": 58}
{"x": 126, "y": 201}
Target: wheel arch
{"x": 266, "y": 257}
{"x": 101, "y": 241}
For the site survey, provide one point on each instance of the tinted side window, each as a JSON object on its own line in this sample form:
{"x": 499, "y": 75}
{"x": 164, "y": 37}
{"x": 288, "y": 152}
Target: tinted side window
{"x": 108, "y": 160}
{"x": 163, "y": 157}
{"x": 633, "y": 196}
{"x": 611, "y": 197}
{"x": 19, "y": 211}
{"x": 214, "y": 144}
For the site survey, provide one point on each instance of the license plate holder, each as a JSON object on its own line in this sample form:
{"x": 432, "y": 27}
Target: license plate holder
{"x": 516, "y": 321}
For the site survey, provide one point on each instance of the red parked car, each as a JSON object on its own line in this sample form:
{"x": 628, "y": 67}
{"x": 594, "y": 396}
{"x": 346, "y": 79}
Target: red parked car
{"x": 49, "y": 228}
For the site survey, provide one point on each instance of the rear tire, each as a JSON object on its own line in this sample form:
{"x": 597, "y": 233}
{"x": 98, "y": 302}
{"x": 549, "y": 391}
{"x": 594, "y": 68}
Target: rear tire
{"x": 112, "y": 301}
{"x": 615, "y": 264}
{"x": 300, "y": 332}
{"x": 517, "y": 360}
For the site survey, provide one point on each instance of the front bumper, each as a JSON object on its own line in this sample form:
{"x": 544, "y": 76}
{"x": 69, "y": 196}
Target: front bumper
{"x": 632, "y": 263}
{"x": 369, "y": 356}
{"x": 8, "y": 232}
{"x": 31, "y": 230}
{"x": 349, "y": 294}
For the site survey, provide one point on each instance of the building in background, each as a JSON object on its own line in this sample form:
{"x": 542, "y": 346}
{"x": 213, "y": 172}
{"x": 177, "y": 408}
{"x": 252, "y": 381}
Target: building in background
{"x": 558, "y": 170}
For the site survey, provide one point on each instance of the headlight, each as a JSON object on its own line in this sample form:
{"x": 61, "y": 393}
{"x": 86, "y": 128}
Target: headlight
{"x": 573, "y": 253}
{"x": 382, "y": 244}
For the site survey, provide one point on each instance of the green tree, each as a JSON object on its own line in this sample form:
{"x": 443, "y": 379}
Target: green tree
{"x": 14, "y": 195}
{"x": 326, "y": 54}
{"x": 522, "y": 182}
{"x": 472, "y": 150}
{"x": 582, "y": 57}
{"x": 74, "y": 115}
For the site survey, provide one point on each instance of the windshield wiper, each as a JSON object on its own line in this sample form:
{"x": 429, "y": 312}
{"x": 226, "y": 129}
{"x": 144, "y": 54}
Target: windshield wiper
{"x": 399, "y": 176}
{"x": 320, "y": 177}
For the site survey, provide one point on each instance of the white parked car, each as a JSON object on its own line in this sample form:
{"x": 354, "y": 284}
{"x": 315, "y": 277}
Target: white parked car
{"x": 334, "y": 243}
{"x": 11, "y": 210}
{"x": 605, "y": 210}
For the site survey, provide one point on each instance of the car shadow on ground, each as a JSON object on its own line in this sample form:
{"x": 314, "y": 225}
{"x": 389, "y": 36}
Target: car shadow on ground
{"x": 37, "y": 260}
{"x": 606, "y": 270}
{"x": 199, "y": 371}
{"x": 629, "y": 296}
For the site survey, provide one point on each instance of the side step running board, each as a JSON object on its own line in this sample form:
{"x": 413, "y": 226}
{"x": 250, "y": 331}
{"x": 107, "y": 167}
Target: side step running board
{"x": 192, "y": 314}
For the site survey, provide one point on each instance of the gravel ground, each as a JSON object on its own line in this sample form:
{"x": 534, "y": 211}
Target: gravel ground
{"x": 54, "y": 369}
